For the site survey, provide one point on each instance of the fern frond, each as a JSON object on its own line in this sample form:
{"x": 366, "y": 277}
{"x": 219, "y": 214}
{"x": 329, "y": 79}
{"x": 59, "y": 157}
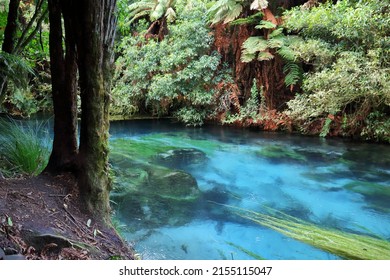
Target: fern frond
{"x": 276, "y": 33}
{"x": 170, "y": 14}
{"x": 265, "y": 24}
{"x": 15, "y": 69}
{"x": 137, "y": 16}
{"x": 247, "y": 57}
{"x": 265, "y": 56}
{"x": 225, "y": 10}
{"x": 287, "y": 53}
{"x": 158, "y": 12}
{"x": 293, "y": 73}
{"x": 248, "y": 20}
{"x": 276, "y": 42}
{"x": 255, "y": 44}
{"x": 234, "y": 12}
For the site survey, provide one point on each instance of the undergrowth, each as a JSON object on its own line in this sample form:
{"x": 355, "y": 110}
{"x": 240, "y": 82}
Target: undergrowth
{"x": 24, "y": 147}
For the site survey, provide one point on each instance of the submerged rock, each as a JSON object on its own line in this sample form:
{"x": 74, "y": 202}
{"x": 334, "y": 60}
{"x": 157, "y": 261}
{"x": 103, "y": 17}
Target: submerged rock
{"x": 155, "y": 195}
{"x": 280, "y": 154}
{"x": 179, "y": 158}
{"x": 172, "y": 184}
{"x": 376, "y": 195}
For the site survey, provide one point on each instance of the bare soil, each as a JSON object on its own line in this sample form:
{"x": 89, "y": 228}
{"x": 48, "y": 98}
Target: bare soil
{"x": 44, "y": 218}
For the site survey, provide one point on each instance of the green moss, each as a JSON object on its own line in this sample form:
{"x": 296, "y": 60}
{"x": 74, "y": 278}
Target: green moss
{"x": 281, "y": 153}
{"x": 377, "y": 195}
{"x": 369, "y": 189}
{"x": 182, "y": 140}
{"x": 137, "y": 149}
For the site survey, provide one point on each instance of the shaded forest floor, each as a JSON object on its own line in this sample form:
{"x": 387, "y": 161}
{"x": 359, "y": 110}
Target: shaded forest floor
{"x": 42, "y": 218}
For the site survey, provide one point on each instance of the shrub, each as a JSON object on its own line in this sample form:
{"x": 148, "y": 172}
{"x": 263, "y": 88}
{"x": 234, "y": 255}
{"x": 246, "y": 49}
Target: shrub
{"x": 346, "y": 45}
{"x": 174, "y": 76}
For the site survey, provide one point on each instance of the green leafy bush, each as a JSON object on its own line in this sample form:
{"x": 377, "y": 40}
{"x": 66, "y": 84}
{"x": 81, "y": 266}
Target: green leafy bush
{"x": 347, "y": 46}
{"x": 170, "y": 77}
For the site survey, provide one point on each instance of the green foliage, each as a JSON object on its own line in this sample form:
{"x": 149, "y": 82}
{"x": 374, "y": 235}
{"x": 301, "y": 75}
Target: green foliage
{"x": 15, "y": 69}
{"x": 255, "y": 47}
{"x": 377, "y": 127}
{"x": 252, "y": 19}
{"x": 174, "y": 76}
{"x": 23, "y": 147}
{"x": 191, "y": 116}
{"x": 347, "y": 45}
{"x": 152, "y": 9}
{"x": 225, "y": 10}
{"x": 250, "y": 108}
{"x": 326, "y": 128}
{"x": 23, "y": 102}
{"x": 262, "y": 49}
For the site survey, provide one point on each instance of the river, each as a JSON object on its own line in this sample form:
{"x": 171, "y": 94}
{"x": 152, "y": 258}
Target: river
{"x": 175, "y": 186}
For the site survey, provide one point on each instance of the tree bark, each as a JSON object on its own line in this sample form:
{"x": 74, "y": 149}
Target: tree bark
{"x": 64, "y": 86}
{"x": 94, "y": 45}
{"x": 10, "y": 29}
{"x": 9, "y": 41}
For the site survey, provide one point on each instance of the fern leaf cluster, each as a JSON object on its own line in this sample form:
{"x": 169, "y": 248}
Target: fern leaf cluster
{"x": 257, "y": 47}
{"x": 225, "y": 11}
{"x": 155, "y": 9}
{"x": 15, "y": 69}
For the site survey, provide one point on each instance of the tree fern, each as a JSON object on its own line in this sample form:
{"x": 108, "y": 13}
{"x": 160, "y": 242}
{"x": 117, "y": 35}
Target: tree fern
{"x": 225, "y": 11}
{"x": 155, "y": 9}
{"x": 15, "y": 69}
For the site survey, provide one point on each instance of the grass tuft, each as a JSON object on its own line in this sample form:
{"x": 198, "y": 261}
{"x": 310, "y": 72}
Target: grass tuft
{"x": 24, "y": 148}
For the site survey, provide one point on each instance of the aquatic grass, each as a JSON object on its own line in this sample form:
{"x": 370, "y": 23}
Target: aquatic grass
{"x": 246, "y": 251}
{"x": 23, "y": 147}
{"x": 343, "y": 244}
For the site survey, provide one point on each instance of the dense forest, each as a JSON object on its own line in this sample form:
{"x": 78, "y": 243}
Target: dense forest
{"x": 315, "y": 67}
{"x": 309, "y": 67}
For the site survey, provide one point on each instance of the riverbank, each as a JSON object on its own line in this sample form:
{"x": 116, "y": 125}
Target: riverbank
{"x": 42, "y": 218}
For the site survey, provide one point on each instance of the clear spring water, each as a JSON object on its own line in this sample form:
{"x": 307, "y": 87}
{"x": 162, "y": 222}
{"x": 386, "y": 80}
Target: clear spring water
{"x": 332, "y": 183}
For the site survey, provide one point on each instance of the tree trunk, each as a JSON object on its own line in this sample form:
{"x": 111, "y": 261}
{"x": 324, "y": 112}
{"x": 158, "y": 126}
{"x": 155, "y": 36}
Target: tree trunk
{"x": 10, "y": 29}
{"x": 9, "y": 41}
{"x": 63, "y": 74}
{"x": 94, "y": 45}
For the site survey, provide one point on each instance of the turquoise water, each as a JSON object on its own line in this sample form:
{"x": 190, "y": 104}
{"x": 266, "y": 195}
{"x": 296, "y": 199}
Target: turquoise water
{"x": 335, "y": 184}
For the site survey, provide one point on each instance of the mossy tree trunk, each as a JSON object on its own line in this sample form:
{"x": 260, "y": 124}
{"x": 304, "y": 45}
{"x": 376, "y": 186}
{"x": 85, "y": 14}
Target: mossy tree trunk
{"x": 95, "y": 44}
{"x": 89, "y": 29}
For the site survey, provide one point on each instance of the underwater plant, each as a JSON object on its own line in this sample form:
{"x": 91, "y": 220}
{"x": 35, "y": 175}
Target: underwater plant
{"x": 343, "y": 244}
